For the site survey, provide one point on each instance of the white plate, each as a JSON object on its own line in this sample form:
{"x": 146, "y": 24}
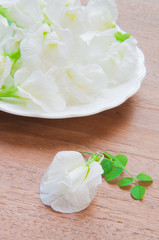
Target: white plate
{"x": 114, "y": 97}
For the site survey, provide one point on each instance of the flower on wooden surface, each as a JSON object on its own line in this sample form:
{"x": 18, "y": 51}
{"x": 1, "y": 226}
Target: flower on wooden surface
{"x": 70, "y": 184}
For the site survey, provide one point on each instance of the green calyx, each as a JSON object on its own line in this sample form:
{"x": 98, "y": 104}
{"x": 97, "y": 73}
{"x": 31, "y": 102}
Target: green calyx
{"x": 10, "y": 92}
{"x": 4, "y": 12}
{"x": 14, "y": 56}
{"x": 121, "y": 37}
{"x": 95, "y": 158}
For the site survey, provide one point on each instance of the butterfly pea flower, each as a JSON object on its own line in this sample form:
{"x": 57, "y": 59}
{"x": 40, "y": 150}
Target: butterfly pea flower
{"x": 38, "y": 91}
{"x": 69, "y": 185}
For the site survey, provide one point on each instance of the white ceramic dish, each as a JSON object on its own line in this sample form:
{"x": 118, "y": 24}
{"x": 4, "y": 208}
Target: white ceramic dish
{"x": 114, "y": 97}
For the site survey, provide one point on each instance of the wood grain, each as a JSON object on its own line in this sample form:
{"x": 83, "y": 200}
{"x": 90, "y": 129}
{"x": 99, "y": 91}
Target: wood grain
{"x": 28, "y": 145}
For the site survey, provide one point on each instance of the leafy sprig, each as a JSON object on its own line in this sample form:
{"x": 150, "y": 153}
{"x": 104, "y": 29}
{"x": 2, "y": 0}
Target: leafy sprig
{"x": 113, "y": 166}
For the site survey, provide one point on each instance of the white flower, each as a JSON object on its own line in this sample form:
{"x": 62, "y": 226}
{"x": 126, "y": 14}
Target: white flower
{"x": 102, "y": 14}
{"x": 23, "y": 12}
{"x": 98, "y": 44}
{"x": 67, "y": 14}
{"x": 43, "y": 93}
{"x": 120, "y": 62}
{"x": 69, "y": 185}
{"x": 13, "y": 42}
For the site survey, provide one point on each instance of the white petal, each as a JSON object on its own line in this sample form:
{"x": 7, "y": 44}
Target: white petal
{"x": 68, "y": 160}
{"x": 108, "y": 6}
{"x": 32, "y": 46}
{"x": 94, "y": 178}
{"x": 43, "y": 91}
{"x": 86, "y": 81}
{"x": 72, "y": 202}
{"x": 76, "y": 177}
{"x": 21, "y": 75}
{"x": 95, "y": 171}
{"x": 5, "y": 34}
{"x": 6, "y": 65}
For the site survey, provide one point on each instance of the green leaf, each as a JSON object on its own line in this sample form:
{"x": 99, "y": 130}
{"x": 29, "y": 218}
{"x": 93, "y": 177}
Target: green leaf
{"x": 115, "y": 161}
{"x": 138, "y": 192}
{"x": 122, "y": 158}
{"x": 106, "y": 165}
{"x": 144, "y": 177}
{"x": 116, "y": 171}
{"x": 108, "y": 155}
{"x": 125, "y": 181}
{"x": 121, "y": 37}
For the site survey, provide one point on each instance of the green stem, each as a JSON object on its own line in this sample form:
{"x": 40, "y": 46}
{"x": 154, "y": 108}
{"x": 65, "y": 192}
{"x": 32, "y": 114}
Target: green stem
{"x": 130, "y": 175}
{"x": 92, "y": 159}
{"x": 86, "y": 152}
{"x": 95, "y": 157}
{"x": 125, "y": 170}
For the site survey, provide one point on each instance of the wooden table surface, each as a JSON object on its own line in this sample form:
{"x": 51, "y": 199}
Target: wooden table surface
{"x": 27, "y": 147}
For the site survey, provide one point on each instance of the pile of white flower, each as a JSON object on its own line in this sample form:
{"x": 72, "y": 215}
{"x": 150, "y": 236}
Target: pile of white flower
{"x": 58, "y": 53}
